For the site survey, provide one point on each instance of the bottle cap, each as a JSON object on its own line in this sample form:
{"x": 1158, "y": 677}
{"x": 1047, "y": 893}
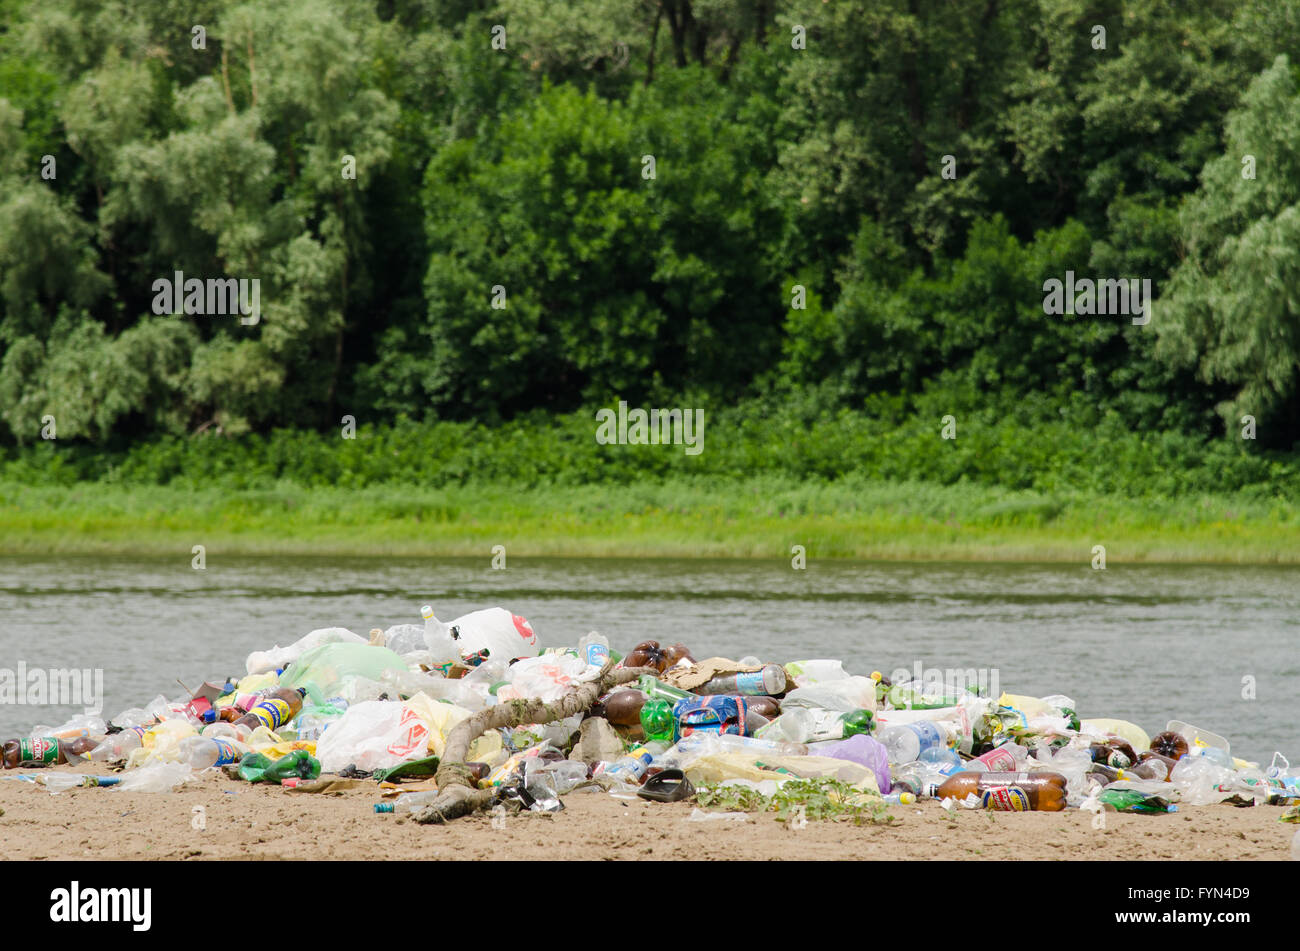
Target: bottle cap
{"x": 426, "y": 612}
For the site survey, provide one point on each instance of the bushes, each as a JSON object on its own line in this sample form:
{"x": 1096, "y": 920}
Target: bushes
{"x": 788, "y": 441}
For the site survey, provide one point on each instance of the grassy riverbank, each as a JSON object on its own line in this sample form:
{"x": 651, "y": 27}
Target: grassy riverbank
{"x": 755, "y": 518}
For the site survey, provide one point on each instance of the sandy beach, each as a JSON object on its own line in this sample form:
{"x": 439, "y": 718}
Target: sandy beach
{"x": 215, "y": 817}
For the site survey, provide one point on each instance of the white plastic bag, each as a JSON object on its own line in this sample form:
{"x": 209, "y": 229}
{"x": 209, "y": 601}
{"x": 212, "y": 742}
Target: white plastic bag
{"x": 260, "y": 662}
{"x": 548, "y": 677}
{"x": 373, "y": 734}
{"x": 843, "y": 695}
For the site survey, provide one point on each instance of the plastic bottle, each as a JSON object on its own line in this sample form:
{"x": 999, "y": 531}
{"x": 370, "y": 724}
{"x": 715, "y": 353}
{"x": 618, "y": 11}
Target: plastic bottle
{"x": 901, "y": 798}
{"x": 1006, "y": 792}
{"x": 274, "y": 709}
{"x": 622, "y": 707}
{"x": 657, "y": 721}
{"x": 440, "y": 639}
{"x": 407, "y": 803}
{"x": 942, "y": 758}
{"x": 1170, "y": 744}
{"x": 1116, "y": 753}
{"x": 258, "y": 768}
{"x": 654, "y": 687}
{"x": 118, "y": 746}
{"x": 203, "y": 751}
{"x": 594, "y": 649}
{"x": 632, "y": 767}
{"x": 907, "y": 741}
{"x": 45, "y": 751}
{"x": 768, "y": 682}
{"x": 1009, "y": 757}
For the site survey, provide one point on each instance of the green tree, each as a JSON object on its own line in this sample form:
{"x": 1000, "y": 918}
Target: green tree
{"x": 1231, "y": 309}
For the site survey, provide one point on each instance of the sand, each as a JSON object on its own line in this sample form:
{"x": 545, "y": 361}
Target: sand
{"x": 218, "y": 818}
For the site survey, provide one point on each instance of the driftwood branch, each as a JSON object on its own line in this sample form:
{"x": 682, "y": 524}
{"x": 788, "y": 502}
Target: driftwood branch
{"x": 457, "y": 794}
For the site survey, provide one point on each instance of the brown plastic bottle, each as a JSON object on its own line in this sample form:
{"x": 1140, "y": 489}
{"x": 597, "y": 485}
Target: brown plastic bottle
{"x": 274, "y": 709}
{"x": 1115, "y": 753}
{"x": 677, "y": 652}
{"x": 45, "y": 751}
{"x": 647, "y": 654}
{"x": 1170, "y": 744}
{"x": 1006, "y": 792}
{"x": 623, "y": 707}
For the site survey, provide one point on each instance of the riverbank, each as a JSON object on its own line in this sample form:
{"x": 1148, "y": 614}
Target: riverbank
{"x": 217, "y": 818}
{"x": 755, "y": 518}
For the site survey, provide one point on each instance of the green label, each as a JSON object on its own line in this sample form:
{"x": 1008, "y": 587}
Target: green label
{"x": 38, "y": 751}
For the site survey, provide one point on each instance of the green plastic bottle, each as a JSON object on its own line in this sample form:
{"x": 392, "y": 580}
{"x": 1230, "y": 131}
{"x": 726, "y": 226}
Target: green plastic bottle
{"x": 257, "y": 768}
{"x": 858, "y": 721}
{"x": 657, "y": 720}
{"x": 656, "y": 689}
{"x": 1132, "y": 800}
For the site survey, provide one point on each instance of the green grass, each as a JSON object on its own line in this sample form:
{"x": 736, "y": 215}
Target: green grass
{"x": 760, "y": 517}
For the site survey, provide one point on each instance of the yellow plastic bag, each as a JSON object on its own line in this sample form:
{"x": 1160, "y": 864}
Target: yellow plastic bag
{"x": 1131, "y": 732}
{"x": 715, "y": 767}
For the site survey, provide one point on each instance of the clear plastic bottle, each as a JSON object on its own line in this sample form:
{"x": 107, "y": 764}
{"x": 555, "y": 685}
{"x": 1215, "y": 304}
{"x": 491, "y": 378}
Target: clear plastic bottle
{"x": 439, "y": 638}
{"x": 942, "y": 758}
{"x": 1010, "y": 757}
{"x": 204, "y": 751}
{"x": 594, "y": 649}
{"x": 631, "y": 768}
{"x": 906, "y": 742}
{"x": 409, "y": 802}
{"x": 768, "y": 682}
{"x": 118, "y": 746}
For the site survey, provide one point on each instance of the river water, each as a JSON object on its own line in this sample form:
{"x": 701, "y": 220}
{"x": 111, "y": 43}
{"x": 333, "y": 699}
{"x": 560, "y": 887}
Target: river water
{"x": 1213, "y": 646}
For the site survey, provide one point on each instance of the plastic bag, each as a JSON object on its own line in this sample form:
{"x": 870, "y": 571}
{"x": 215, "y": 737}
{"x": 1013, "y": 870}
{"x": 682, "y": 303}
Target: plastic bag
{"x": 372, "y": 735}
{"x": 405, "y": 638}
{"x": 864, "y": 750}
{"x": 406, "y": 683}
{"x": 547, "y": 678}
{"x": 160, "y": 777}
{"x": 805, "y": 673}
{"x": 1130, "y": 732}
{"x": 260, "y": 662}
{"x": 331, "y": 667}
{"x": 843, "y": 695}
{"x": 1201, "y": 781}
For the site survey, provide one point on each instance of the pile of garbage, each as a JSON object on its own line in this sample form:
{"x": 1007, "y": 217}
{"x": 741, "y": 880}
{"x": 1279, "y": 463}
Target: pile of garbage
{"x": 337, "y": 709}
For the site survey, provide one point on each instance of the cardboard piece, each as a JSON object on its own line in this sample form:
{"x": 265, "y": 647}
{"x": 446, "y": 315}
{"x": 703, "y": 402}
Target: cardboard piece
{"x": 688, "y": 678}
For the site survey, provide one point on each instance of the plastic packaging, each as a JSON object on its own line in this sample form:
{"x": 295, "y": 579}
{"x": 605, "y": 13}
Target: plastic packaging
{"x": 862, "y": 749}
{"x": 277, "y": 657}
{"x": 157, "y": 778}
{"x": 331, "y": 668}
{"x": 373, "y": 735}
